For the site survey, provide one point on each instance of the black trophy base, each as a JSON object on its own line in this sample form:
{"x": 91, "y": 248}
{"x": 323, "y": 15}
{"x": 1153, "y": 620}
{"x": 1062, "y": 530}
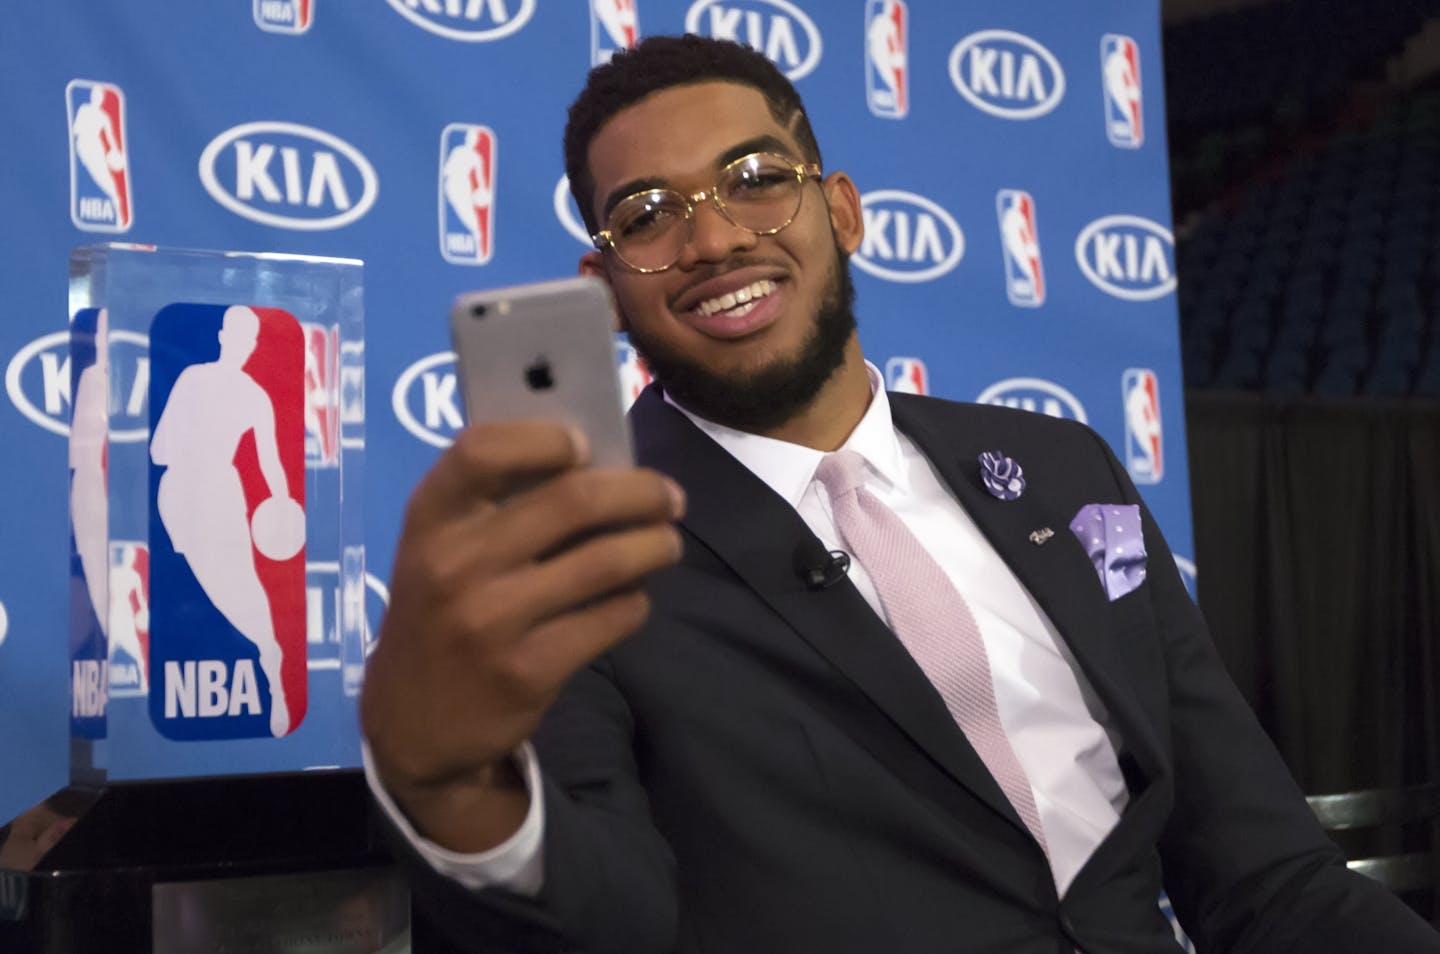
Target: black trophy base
{"x": 241, "y": 864}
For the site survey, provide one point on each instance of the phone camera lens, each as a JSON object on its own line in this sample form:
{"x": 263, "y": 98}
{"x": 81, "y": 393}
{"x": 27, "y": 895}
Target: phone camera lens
{"x": 479, "y": 311}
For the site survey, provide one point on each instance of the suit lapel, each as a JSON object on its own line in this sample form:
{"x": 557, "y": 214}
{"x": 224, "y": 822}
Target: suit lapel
{"x": 755, "y": 533}
{"x": 1057, "y": 574}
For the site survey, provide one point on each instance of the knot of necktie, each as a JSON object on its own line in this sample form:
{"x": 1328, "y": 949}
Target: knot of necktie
{"x": 841, "y": 473}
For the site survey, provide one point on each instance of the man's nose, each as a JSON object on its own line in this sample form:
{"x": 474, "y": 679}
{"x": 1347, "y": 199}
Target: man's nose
{"x": 713, "y": 237}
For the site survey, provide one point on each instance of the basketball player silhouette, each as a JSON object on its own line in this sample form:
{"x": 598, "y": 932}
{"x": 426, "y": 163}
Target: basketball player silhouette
{"x": 202, "y": 502}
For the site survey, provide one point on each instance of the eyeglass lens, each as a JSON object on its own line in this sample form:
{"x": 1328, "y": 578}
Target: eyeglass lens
{"x": 759, "y": 192}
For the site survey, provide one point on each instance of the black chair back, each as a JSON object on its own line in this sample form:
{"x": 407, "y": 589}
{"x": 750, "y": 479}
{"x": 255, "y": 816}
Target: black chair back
{"x": 1403, "y": 851}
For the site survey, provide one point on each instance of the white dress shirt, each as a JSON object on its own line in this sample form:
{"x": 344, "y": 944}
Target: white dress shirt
{"x": 1055, "y": 722}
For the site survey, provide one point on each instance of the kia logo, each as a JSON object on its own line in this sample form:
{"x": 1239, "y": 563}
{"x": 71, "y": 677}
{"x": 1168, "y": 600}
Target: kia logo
{"x": 1188, "y": 575}
{"x": 568, "y": 215}
{"x": 908, "y": 238}
{"x": 1034, "y": 394}
{"x": 425, "y": 399}
{"x": 779, "y": 29}
{"x": 38, "y": 383}
{"x": 288, "y": 176}
{"x": 1129, "y": 257}
{"x": 1007, "y": 74}
{"x": 473, "y": 21}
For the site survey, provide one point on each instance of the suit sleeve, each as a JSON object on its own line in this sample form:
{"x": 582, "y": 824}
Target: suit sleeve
{"x": 1247, "y": 866}
{"x": 609, "y": 875}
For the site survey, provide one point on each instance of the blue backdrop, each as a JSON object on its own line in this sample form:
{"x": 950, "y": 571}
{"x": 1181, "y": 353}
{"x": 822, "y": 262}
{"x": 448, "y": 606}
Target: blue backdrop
{"x": 1011, "y": 155}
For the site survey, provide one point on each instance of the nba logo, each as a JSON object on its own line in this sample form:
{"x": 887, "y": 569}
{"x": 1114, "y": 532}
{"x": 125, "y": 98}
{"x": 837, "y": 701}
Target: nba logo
{"x": 99, "y": 158}
{"x": 322, "y": 418}
{"x": 907, "y": 376}
{"x": 887, "y": 69}
{"x": 1124, "y": 104}
{"x": 1020, "y": 239}
{"x": 129, "y": 617}
{"x": 227, "y": 648}
{"x": 89, "y": 523}
{"x": 1144, "y": 445}
{"x": 283, "y": 16}
{"x": 614, "y": 26}
{"x": 634, "y": 376}
{"x": 467, "y": 194}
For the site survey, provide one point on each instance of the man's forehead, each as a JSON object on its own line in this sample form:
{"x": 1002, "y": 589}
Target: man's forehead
{"x": 683, "y": 129}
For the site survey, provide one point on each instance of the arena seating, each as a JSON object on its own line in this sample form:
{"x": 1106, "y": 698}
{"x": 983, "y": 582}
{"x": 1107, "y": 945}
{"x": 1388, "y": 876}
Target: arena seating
{"x": 1313, "y": 264}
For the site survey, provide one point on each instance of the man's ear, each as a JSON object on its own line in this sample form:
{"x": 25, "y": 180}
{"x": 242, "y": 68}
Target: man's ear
{"x": 593, "y": 265}
{"x": 845, "y": 216}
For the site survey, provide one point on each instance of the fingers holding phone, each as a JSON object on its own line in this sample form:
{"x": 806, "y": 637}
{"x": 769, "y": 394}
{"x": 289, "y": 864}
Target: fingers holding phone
{"x": 478, "y": 575}
{"x": 518, "y": 563}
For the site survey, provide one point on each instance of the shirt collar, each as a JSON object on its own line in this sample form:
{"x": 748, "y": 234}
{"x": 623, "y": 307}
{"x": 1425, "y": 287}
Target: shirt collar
{"x": 788, "y": 469}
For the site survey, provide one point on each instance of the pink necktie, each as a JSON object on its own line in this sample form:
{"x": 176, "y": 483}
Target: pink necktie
{"x": 932, "y": 620}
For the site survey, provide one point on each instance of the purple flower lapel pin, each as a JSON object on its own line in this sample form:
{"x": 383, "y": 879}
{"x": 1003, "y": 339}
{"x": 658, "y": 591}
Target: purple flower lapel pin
{"x": 1112, "y": 538}
{"x": 1002, "y": 476}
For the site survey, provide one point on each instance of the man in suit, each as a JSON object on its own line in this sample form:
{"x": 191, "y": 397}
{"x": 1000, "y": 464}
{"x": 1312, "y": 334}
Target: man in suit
{"x": 784, "y": 758}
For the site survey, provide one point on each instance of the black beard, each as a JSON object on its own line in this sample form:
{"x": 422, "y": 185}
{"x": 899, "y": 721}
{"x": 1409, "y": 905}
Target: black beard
{"x": 763, "y": 400}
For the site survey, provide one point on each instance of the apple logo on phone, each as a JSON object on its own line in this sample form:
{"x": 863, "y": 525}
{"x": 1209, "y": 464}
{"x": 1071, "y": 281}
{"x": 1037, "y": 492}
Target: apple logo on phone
{"x": 538, "y": 375}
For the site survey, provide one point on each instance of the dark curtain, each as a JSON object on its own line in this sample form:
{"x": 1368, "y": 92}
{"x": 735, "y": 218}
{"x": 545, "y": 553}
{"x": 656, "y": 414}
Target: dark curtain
{"x": 1317, "y": 537}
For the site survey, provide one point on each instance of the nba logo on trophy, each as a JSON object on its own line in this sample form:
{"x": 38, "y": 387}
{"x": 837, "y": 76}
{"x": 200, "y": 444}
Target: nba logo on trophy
{"x": 89, "y": 367}
{"x": 322, "y": 397}
{"x": 227, "y": 522}
{"x": 99, "y": 157}
{"x": 467, "y": 194}
{"x": 1144, "y": 444}
{"x": 1124, "y": 102}
{"x": 129, "y": 617}
{"x": 887, "y": 67}
{"x": 907, "y": 376}
{"x": 1020, "y": 239}
{"x": 614, "y": 26}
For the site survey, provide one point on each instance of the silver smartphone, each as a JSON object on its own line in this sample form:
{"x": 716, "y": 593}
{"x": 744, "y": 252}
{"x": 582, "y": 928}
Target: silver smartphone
{"x": 544, "y": 351}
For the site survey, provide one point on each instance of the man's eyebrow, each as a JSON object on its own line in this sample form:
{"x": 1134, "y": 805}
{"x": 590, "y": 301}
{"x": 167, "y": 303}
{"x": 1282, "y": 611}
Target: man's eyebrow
{"x": 626, "y": 189}
{"x": 765, "y": 143}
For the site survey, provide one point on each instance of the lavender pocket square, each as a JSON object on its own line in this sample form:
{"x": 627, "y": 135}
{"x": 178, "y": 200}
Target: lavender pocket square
{"x": 1115, "y": 543}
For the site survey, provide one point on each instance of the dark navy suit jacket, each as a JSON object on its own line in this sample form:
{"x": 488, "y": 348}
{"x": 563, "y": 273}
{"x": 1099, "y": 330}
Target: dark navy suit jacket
{"x": 763, "y": 769}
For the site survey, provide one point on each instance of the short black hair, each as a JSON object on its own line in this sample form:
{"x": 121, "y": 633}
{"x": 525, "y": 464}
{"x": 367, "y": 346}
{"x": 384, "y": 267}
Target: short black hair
{"x": 661, "y": 62}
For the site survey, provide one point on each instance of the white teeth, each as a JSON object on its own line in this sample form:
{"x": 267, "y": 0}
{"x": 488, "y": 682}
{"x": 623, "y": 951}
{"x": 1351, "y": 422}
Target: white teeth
{"x": 744, "y": 297}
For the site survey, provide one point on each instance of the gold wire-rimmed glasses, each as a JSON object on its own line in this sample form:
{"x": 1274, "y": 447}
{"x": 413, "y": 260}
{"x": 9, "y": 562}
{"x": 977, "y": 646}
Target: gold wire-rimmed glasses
{"x": 760, "y": 192}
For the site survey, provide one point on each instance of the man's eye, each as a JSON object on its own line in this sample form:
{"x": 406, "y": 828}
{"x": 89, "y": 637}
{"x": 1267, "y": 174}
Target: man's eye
{"x": 647, "y": 220}
{"x": 762, "y": 182}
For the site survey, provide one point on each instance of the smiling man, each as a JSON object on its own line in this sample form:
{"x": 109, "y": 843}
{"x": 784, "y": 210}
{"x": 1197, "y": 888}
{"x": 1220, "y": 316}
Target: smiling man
{"x": 722, "y": 310}
{"x": 648, "y": 711}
